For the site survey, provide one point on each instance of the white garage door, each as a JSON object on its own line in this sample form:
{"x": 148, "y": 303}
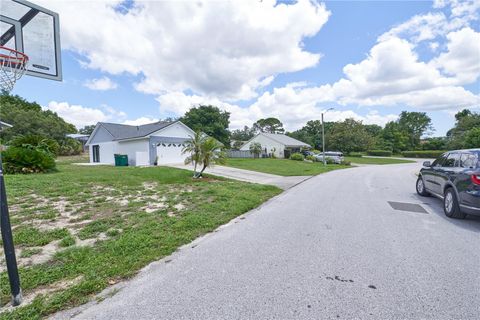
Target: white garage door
{"x": 170, "y": 153}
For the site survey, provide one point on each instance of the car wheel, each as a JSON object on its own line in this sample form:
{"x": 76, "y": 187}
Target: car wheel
{"x": 450, "y": 205}
{"x": 421, "y": 188}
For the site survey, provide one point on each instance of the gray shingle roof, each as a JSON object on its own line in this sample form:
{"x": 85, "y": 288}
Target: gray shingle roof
{"x": 286, "y": 140}
{"x": 123, "y": 131}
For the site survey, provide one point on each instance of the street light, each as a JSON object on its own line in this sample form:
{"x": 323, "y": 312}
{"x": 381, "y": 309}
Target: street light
{"x": 323, "y": 137}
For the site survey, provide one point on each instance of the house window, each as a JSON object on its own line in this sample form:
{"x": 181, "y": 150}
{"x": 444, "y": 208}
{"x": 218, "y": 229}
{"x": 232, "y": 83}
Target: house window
{"x": 96, "y": 153}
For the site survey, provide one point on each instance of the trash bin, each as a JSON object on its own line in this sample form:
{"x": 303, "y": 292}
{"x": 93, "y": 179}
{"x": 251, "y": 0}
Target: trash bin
{"x": 121, "y": 160}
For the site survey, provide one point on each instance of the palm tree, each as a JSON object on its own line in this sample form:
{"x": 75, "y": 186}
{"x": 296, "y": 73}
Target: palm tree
{"x": 211, "y": 153}
{"x": 193, "y": 148}
{"x": 256, "y": 149}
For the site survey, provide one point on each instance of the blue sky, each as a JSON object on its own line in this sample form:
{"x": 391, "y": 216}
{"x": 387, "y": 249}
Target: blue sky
{"x": 368, "y": 59}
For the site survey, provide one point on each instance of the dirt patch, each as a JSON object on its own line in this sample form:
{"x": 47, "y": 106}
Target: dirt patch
{"x": 46, "y": 290}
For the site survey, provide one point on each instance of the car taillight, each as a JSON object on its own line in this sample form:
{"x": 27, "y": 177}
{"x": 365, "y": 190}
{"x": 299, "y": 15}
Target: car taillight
{"x": 476, "y": 179}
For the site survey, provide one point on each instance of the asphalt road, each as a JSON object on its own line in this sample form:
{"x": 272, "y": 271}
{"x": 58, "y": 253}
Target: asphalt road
{"x": 329, "y": 248}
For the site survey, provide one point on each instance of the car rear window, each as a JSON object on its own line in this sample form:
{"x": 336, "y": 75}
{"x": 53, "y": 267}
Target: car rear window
{"x": 469, "y": 160}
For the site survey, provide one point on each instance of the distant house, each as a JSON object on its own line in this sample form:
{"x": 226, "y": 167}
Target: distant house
{"x": 159, "y": 142}
{"x": 82, "y": 138}
{"x": 278, "y": 144}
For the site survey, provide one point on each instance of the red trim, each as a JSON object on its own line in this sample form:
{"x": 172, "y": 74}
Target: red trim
{"x": 14, "y": 55}
{"x": 476, "y": 179}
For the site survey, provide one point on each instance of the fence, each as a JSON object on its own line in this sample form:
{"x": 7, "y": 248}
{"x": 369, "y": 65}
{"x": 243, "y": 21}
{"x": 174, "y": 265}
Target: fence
{"x": 240, "y": 154}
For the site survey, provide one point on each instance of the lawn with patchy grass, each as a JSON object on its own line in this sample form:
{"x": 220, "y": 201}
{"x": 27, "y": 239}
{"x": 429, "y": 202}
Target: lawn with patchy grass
{"x": 83, "y": 228}
{"x": 368, "y": 160}
{"x": 283, "y": 167}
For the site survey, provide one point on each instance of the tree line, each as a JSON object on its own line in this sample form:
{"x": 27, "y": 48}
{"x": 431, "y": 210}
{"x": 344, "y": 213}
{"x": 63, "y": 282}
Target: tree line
{"x": 408, "y": 132}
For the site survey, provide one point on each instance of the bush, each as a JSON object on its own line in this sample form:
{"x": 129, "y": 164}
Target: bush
{"x": 70, "y": 147}
{"x": 315, "y": 151}
{"x": 379, "y": 153}
{"x": 297, "y": 156}
{"x": 329, "y": 160}
{"x": 26, "y": 160}
{"x": 310, "y": 157}
{"x": 36, "y": 142}
{"x": 423, "y": 154}
{"x": 355, "y": 154}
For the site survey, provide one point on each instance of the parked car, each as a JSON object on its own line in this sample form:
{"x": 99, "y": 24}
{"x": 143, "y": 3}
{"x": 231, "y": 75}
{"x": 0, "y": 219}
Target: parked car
{"x": 307, "y": 153}
{"x": 455, "y": 178}
{"x": 336, "y": 157}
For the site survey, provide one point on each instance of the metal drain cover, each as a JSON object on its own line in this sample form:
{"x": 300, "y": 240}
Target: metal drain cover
{"x": 405, "y": 206}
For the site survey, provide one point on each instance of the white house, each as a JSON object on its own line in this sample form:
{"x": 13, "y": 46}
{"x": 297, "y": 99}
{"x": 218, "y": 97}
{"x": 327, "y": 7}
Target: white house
{"x": 278, "y": 144}
{"x": 160, "y": 142}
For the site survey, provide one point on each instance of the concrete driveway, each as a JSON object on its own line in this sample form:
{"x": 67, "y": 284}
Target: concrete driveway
{"x": 330, "y": 248}
{"x": 249, "y": 176}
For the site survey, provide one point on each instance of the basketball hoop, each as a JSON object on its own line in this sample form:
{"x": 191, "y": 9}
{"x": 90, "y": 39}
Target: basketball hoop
{"x": 13, "y": 65}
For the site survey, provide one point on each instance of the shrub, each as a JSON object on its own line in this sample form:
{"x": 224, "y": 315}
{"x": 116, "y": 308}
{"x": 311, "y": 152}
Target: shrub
{"x": 329, "y": 160}
{"x": 297, "y": 156}
{"x": 310, "y": 157}
{"x": 379, "y": 153}
{"x": 355, "y": 154}
{"x": 423, "y": 154}
{"x": 26, "y": 160}
{"x": 70, "y": 147}
{"x": 315, "y": 151}
{"x": 36, "y": 142}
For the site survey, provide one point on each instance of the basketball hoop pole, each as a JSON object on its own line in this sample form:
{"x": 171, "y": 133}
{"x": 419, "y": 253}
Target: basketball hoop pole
{"x": 12, "y": 67}
{"x": 8, "y": 246}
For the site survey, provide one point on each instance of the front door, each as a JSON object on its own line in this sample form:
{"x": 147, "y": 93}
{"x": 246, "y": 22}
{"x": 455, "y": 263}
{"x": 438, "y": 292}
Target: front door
{"x": 96, "y": 153}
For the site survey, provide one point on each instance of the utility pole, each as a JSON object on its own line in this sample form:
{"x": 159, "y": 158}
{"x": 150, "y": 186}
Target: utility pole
{"x": 323, "y": 138}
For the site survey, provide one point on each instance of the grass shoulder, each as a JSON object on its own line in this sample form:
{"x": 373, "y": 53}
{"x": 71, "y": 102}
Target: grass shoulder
{"x": 370, "y": 160}
{"x": 283, "y": 167}
{"x": 105, "y": 223}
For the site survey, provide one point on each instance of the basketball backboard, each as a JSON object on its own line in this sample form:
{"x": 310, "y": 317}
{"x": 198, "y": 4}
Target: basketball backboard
{"x": 33, "y": 30}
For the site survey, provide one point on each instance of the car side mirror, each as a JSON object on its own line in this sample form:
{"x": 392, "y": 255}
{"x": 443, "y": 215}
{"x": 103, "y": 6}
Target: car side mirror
{"x": 427, "y": 164}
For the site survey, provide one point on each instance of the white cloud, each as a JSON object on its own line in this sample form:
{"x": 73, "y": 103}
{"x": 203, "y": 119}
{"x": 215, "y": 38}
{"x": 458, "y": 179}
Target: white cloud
{"x": 225, "y": 49}
{"x": 292, "y": 105}
{"x": 462, "y": 59}
{"x": 101, "y": 84}
{"x": 81, "y": 116}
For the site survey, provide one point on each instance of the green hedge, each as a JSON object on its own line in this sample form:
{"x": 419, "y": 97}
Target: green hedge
{"x": 26, "y": 160}
{"x": 297, "y": 157}
{"x": 423, "y": 154}
{"x": 379, "y": 153}
{"x": 355, "y": 154}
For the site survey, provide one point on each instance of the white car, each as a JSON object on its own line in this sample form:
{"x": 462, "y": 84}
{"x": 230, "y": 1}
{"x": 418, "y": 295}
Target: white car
{"x": 336, "y": 157}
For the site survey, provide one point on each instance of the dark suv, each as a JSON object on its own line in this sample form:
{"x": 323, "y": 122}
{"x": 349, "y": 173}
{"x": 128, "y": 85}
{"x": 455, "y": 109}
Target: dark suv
{"x": 455, "y": 178}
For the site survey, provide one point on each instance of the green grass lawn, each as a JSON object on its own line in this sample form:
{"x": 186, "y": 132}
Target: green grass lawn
{"x": 366, "y": 160}
{"x": 283, "y": 167}
{"x": 84, "y": 228}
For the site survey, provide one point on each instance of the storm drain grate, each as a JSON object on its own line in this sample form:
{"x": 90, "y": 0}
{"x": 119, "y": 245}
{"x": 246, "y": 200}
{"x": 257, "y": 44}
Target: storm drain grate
{"x": 405, "y": 206}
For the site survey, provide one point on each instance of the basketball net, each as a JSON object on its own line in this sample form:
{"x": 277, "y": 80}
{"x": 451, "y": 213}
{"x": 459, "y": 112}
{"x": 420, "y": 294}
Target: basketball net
{"x": 13, "y": 65}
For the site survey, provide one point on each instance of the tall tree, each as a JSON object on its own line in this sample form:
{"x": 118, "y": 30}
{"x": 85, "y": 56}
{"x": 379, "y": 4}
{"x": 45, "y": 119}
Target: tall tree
{"x": 87, "y": 129}
{"x": 466, "y": 121}
{"x": 269, "y": 125}
{"x": 311, "y": 133}
{"x": 415, "y": 124}
{"x": 210, "y": 120}
{"x": 28, "y": 118}
{"x": 349, "y": 136}
{"x": 244, "y": 134}
{"x": 393, "y": 138}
